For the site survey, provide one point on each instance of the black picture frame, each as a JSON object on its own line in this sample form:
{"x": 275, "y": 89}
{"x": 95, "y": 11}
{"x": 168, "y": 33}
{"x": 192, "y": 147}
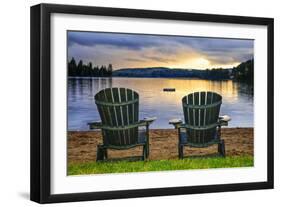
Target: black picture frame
{"x": 41, "y": 96}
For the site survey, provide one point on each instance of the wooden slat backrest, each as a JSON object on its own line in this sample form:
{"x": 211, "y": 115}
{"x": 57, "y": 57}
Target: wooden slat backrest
{"x": 201, "y": 113}
{"x": 118, "y": 107}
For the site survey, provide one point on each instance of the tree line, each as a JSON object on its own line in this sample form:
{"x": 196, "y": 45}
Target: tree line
{"x": 88, "y": 70}
{"x": 216, "y": 74}
{"x": 244, "y": 72}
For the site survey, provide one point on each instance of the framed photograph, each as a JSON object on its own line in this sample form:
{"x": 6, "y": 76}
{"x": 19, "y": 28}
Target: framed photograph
{"x": 132, "y": 103}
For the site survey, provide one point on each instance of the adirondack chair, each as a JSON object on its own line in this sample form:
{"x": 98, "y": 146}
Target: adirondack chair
{"x": 119, "y": 112}
{"x": 202, "y": 127}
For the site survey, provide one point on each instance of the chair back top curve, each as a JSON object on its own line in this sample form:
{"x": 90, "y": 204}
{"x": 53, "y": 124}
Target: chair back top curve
{"x": 119, "y": 112}
{"x": 201, "y": 113}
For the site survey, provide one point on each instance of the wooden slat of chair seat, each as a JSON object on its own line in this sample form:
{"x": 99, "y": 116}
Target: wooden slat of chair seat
{"x": 122, "y": 127}
{"x": 184, "y": 141}
{"x": 141, "y": 141}
{"x": 116, "y": 104}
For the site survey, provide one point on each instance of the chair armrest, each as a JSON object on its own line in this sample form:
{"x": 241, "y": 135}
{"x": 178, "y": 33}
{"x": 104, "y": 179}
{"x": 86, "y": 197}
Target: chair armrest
{"x": 95, "y": 125}
{"x": 176, "y": 122}
{"x": 148, "y": 120}
{"x": 98, "y": 124}
{"x": 223, "y": 120}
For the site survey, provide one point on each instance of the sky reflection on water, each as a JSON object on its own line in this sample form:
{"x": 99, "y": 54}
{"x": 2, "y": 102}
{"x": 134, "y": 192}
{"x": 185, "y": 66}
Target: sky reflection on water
{"x": 237, "y": 99}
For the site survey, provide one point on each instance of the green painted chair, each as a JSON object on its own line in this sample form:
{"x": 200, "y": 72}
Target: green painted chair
{"x": 119, "y": 112}
{"x": 202, "y": 127}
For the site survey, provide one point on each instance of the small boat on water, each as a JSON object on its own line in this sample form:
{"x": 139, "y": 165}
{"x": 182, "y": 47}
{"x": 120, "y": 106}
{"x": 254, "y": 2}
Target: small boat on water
{"x": 169, "y": 89}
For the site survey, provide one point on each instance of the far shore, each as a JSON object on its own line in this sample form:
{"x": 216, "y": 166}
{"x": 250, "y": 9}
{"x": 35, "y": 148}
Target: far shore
{"x": 184, "y": 78}
{"x": 81, "y": 145}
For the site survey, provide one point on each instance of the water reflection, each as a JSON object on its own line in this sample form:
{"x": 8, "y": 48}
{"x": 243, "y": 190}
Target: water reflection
{"x": 237, "y": 99}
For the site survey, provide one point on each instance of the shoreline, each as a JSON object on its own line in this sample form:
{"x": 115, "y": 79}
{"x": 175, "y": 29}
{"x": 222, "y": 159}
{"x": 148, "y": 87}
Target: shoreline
{"x": 81, "y": 145}
{"x": 184, "y": 78}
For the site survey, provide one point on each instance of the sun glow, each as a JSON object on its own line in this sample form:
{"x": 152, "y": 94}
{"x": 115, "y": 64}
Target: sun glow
{"x": 192, "y": 63}
{"x": 201, "y": 63}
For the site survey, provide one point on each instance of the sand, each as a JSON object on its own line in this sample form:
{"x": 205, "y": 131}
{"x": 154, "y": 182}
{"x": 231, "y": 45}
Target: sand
{"x": 82, "y": 145}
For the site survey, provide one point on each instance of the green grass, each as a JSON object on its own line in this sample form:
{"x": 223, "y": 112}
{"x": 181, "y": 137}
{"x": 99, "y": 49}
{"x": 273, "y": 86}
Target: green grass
{"x": 159, "y": 165}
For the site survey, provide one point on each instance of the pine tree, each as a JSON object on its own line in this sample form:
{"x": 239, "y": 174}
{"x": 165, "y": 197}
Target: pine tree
{"x": 72, "y": 67}
{"x": 109, "y": 69}
{"x": 80, "y": 68}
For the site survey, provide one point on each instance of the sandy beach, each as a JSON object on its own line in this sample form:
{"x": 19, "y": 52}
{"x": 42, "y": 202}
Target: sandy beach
{"x": 82, "y": 145}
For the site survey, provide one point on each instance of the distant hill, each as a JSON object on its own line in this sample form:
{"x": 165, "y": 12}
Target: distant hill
{"x": 163, "y": 72}
{"x": 151, "y": 72}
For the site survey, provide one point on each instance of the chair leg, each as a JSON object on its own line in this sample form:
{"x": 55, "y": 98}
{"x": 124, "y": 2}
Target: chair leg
{"x": 144, "y": 152}
{"x": 221, "y": 148}
{"x": 105, "y": 153}
{"x": 180, "y": 152}
{"x": 147, "y": 150}
{"x": 100, "y": 153}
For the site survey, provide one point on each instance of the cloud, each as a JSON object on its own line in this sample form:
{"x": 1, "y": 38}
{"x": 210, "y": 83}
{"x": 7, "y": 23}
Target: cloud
{"x": 135, "y": 50}
{"x": 133, "y": 59}
{"x": 158, "y": 59}
{"x": 129, "y": 41}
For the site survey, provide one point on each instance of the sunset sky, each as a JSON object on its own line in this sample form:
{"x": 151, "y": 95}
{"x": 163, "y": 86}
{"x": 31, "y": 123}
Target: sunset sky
{"x": 135, "y": 51}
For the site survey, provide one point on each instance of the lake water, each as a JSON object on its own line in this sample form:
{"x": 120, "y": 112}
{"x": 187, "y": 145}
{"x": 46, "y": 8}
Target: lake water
{"x": 237, "y": 99}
